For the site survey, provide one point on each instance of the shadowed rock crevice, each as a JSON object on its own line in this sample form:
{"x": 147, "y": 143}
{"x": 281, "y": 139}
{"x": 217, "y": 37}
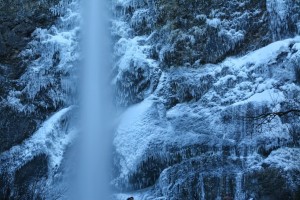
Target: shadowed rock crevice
{"x": 28, "y": 180}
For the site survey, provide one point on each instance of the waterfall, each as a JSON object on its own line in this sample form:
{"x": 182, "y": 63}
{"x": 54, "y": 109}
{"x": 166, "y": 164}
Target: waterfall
{"x": 95, "y": 120}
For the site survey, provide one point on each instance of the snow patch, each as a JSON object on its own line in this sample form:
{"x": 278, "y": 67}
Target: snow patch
{"x": 215, "y": 22}
{"x": 139, "y": 125}
{"x": 285, "y": 158}
{"x": 272, "y": 96}
{"x": 51, "y": 139}
{"x": 263, "y": 55}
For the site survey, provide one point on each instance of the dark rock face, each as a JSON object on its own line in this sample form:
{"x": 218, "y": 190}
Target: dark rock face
{"x": 28, "y": 181}
{"x": 266, "y": 183}
{"x": 18, "y": 21}
{"x": 210, "y": 30}
{"x": 29, "y": 178}
{"x": 28, "y": 96}
{"x": 133, "y": 84}
{"x": 14, "y": 127}
{"x": 217, "y": 59}
{"x": 210, "y": 37}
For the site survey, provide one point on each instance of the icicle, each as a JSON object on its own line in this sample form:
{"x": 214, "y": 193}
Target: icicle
{"x": 279, "y": 11}
{"x": 201, "y": 181}
{"x": 239, "y": 194}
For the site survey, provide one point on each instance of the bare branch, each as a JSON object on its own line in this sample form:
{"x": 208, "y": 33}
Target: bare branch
{"x": 272, "y": 115}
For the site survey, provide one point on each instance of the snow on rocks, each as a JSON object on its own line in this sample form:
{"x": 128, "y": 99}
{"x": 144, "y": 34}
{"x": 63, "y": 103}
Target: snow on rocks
{"x": 285, "y": 158}
{"x": 51, "y": 139}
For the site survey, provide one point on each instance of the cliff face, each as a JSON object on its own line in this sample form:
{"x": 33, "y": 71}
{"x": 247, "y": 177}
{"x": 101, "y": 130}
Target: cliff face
{"x": 197, "y": 73}
{"x": 189, "y": 78}
{"x": 38, "y": 57}
{"x": 18, "y": 21}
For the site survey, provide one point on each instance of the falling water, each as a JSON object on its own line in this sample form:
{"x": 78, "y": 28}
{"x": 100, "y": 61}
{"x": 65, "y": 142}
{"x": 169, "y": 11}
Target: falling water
{"x": 93, "y": 170}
